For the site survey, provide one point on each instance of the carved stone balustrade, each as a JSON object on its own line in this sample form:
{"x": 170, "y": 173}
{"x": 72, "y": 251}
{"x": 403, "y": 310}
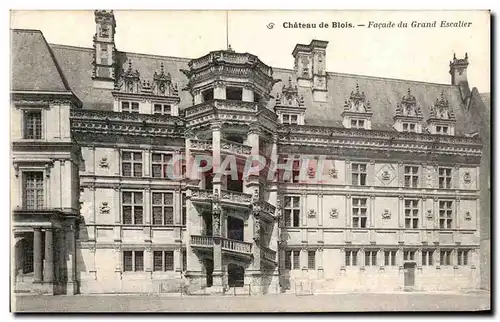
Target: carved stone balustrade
{"x": 236, "y": 246}
{"x": 230, "y": 198}
{"x": 235, "y": 148}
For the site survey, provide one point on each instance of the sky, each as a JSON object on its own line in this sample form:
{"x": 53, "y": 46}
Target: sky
{"x": 420, "y": 54}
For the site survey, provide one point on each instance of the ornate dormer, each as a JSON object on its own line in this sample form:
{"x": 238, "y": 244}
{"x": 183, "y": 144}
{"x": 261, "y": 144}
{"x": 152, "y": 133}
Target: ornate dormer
{"x": 441, "y": 117}
{"x": 104, "y": 54}
{"x": 408, "y": 115}
{"x": 290, "y": 105}
{"x": 357, "y": 111}
{"x": 162, "y": 84}
{"x": 157, "y": 96}
{"x": 130, "y": 80}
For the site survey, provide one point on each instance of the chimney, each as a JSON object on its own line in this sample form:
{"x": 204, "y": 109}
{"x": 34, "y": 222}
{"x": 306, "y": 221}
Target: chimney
{"x": 458, "y": 70}
{"x": 104, "y": 56}
{"x": 310, "y": 67}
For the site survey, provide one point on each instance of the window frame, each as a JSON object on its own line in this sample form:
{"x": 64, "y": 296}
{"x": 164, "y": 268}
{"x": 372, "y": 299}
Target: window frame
{"x": 446, "y": 213}
{"x": 427, "y": 257}
{"x": 390, "y": 257}
{"x": 133, "y": 259}
{"x": 360, "y": 174}
{"x": 447, "y": 177}
{"x": 357, "y": 123}
{"x": 38, "y": 190}
{"x": 162, "y": 106}
{"x": 447, "y": 257}
{"x": 409, "y": 255}
{"x": 289, "y": 117}
{"x": 412, "y": 213}
{"x": 370, "y": 257}
{"x": 463, "y": 257}
{"x": 132, "y": 162}
{"x": 25, "y": 120}
{"x": 357, "y": 215}
{"x": 163, "y": 206}
{"x": 311, "y": 259}
{"x": 163, "y": 264}
{"x": 411, "y": 177}
{"x": 164, "y": 165}
{"x": 130, "y": 108}
{"x": 133, "y": 206}
{"x": 351, "y": 257}
{"x": 294, "y": 211}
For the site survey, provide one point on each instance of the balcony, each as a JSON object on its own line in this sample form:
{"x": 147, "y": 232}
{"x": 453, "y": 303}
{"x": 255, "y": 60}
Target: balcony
{"x": 237, "y": 199}
{"x": 201, "y": 145}
{"x": 268, "y": 255}
{"x": 237, "y": 246}
{"x": 201, "y": 196}
{"x": 202, "y": 241}
{"x": 267, "y": 210}
{"x": 229, "y": 147}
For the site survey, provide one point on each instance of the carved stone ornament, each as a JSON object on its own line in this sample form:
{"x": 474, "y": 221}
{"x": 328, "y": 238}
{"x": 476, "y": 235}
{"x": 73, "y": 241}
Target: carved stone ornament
{"x": 442, "y": 109}
{"x": 467, "y": 177}
{"x": 311, "y": 172}
{"x": 429, "y": 214}
{"x": 104, "y": 208}
{"x": 357, "y": 102}
{"x": 103, "y": 163}
{"x": 468, "y": 216}
{"x": 333, "y": 173}
{"x": 334, "y": 213}
{"x": 216, "y": 223}
{"x": 386, "y": 214}
{"x": 256, "y": 233}
{"x": 311, "y": 213}
{"x": 386, "y": 174}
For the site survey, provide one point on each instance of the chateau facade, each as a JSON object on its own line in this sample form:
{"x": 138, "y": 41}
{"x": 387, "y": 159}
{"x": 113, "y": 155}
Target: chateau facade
{"x": 369, "y": 184}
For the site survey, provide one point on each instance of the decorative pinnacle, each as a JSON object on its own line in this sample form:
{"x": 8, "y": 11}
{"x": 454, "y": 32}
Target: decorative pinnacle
{"x": 161, "y": 67}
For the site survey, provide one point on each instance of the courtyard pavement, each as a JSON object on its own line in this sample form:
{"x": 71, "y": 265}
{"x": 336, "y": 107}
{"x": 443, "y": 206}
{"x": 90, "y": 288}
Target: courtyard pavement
{"x": 358, "y": 302}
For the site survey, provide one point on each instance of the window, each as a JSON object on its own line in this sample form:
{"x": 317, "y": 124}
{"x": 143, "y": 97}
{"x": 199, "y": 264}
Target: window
{"x": 445, "y": 257}
{"x": 33, "y": 190}
{"x": 132, "y": 208}
{"x": 296, "y": 259}
{"x": 295, "y": 175}
{"x": 133, "y": 261}
{"x": 290, "y": 119}
{"x": 441, "y": 129}
{"x": 411, "y": 213}
{"x": 463, "y": 257}
{"x": 184, "y": 260}
{"x": 359, "y": 212}
{"x": 292, "y": 211}
{"x": 208, "y": 95}
{"x": 132, "y": 164}
{"x": 163, "y": 261}
{"x": 370, "y": 258}
{"x": 234, "y": 93}
{"x": 390, "y": 258}
{"x": 357, "y": 124}
{"x": 288, "y": 259}
{"x": 32, "y": 125}
{"x": 411, "y": 177}
{"x": 184, "y": 211}
{"x": 358, "y": 174}
{"x": 445, "y": 214}
{"x": 160, "y": 163}
{"x": 162, "y": 109}
{"x": 351, "y": 258}
{"x": 163, "y": 208}
{"x": 256, "y": 97}
{"x": 409, "y": 127}
{"x": 427, "y": 257}
{"x": 445, "y": 178}
{"x": 130, "y": 107}
{"x": 409, "y": 255}
{"x": 311, "y": 259}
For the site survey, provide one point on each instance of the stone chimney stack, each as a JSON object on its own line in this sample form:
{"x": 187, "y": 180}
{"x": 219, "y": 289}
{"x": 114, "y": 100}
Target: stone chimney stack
{"x": 458, "y": 70}
{"x": 310, "y": 67}
{"x": 104, "y": 62}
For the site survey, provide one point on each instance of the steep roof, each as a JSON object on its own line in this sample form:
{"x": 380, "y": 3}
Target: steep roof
{"x": 34, "y": 67}
{"x": 383, "y": 93}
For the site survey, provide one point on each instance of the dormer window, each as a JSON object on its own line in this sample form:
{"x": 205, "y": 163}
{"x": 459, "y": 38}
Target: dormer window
{"x": 441, "y": 118}
{"x": 409, "y": 127}
{"x": 357, "y": 124}
{"x": 162, "y": 109}
{"x": 290, "y": 119}
{"x": 442, "y": 129}
{"x": 234, "y": 93}
{"x": 130, "y": 107}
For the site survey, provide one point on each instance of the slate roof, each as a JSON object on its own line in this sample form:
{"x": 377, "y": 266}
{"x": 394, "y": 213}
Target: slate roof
{"x": 33, "y": 65}
{"x": 383, "y": 93}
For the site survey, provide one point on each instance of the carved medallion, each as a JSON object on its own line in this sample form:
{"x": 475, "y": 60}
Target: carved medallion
{"x": 468, "y": 216}
{"x": 104, "y": 163}
{"x": 333, "y": 173}
{"x": 104, "y": 209}
{"x": 386, "y": 174}
{"x": 429, "y": 214}
{"x": 311, "y": 172}
{"x": 467, "y": 178}
{"x": 334, "y": 214}
{"x": 311, "y": 213}
{"x": 386, "y": 214}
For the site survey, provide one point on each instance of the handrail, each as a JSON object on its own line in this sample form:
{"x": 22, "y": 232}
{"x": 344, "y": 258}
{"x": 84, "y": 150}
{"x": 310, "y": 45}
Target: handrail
{"x": 236, "y": 245}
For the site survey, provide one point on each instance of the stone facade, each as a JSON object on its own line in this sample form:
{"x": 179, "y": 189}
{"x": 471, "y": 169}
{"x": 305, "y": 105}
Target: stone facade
{"x": 368, "y": 207}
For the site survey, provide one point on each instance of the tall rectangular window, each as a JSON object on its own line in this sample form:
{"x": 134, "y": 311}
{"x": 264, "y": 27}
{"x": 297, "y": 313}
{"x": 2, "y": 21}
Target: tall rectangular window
{"x": 159, "y": 165}
{"x": 359, "y": 209}
{"x": 132, "y": 164}
{"x": 445, "y": 258}
{"x": 130, "y": 107}
{"x": 463, "y": 257}
{"x": 390, "y": 258}
{"x": 427, "y": 257}
{"x": 162, "y": 109}
{"x": 133, "y": 261}
{"x": 163, "y": 208}
{"x": 409, "y": 255}
{"x": 358, "y": 174}
{"x": 351, "y": 258}
{"x": 411, "y": 213}
{"x": 411, "y": 177}
{"x": 32, "y": 125}
{"x": 163, "y": 261}
{"x": 445, "y": 214}
{"x": 371, "y": 258}
{"x": 296, "y": 259}
{"x": 33, "y": 190}
{"x": 292, "y": 211}
{"x": 311, "y": 259}
{"x": 132, "y": 208}
{"x": 444, "y": 178}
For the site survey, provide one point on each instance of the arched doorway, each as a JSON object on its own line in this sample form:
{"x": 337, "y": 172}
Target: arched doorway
{"x": 235, "y": 275}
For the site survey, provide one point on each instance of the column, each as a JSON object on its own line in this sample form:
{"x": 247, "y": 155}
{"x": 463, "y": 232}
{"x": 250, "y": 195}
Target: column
{"x": 92, "y": 163}
{"x": 146, "y": 164}
{"x": 320, "y": 210}
{"x": 48, "y": 265}
{"x": 370, "y": 172}
{"x": 70, "y": 258}
{"x": 117, "y": 201}
{"x": 37, "y": 254}
{"x": 401, "y": 212}
{"x": 456, "y": 177}
{"x": 456, "y": 216}
{"x": 216, "y": 209}
{"x": 401, "y": 174}
{"x": 177, "y": 260}
{"x": 372, "y": 210}
{"x": 348, "y": 179}
{"x": 320, "y": 262}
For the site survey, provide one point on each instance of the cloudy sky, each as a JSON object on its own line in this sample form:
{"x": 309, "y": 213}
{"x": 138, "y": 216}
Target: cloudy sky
{"x": 421, "y": 54}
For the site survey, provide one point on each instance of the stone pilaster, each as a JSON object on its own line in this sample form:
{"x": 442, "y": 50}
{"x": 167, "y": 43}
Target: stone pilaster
{"x": 48, "y": 265}
{"x": 37, "y": 255}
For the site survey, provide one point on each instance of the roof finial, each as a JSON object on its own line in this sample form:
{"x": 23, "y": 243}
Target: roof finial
{"x": 357, "y": 87}
{"x": 466, "y": 56}
{"x": 409, "y": 92}
{"x": 290, "y": 81}
{"x": 454, "y": 56}
{"x": 161, "y": 67}
{"x": 129, "y": 64}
